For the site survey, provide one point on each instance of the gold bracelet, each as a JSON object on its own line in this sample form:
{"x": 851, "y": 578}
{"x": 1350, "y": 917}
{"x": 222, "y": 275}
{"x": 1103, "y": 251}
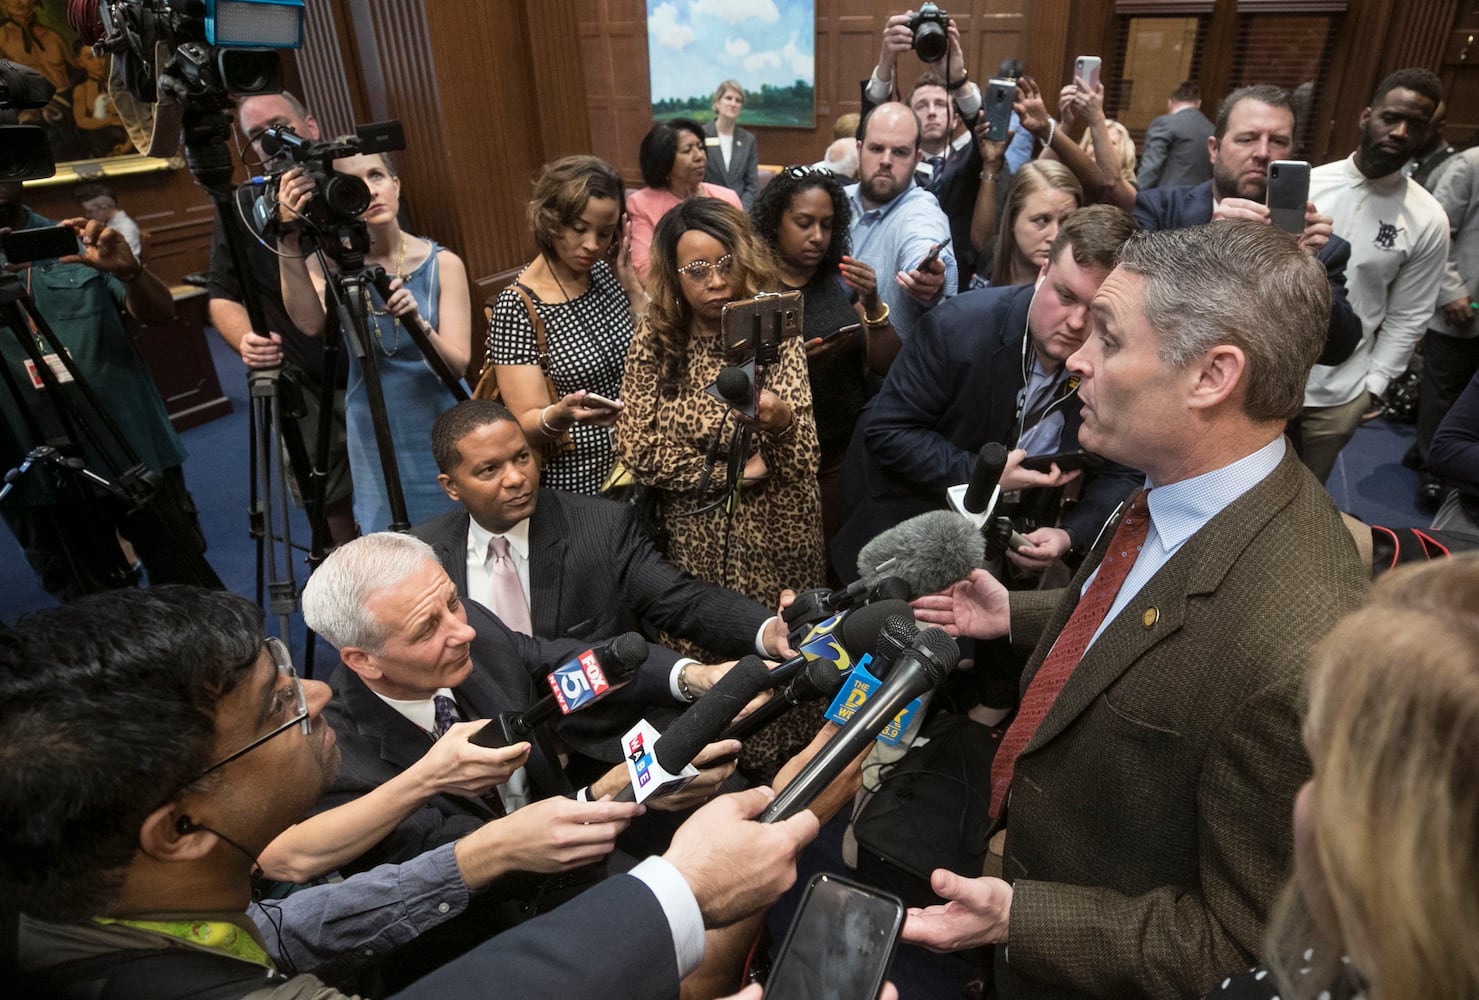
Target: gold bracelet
{"x": 880, "y": 320}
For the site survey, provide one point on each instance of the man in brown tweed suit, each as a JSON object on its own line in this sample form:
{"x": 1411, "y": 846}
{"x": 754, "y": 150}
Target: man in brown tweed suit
{"x": 1148, "y": 815}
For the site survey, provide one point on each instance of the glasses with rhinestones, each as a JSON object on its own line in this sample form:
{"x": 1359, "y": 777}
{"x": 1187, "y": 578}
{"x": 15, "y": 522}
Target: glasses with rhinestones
{"x": 698, "y": 271}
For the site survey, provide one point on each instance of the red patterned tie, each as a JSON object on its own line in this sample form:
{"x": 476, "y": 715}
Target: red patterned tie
{"x": 1060, "y": 662}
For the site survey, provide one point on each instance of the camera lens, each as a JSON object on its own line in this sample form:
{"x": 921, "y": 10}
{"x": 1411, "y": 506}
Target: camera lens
{"x": 930, "y": 42}
{"x": 346, "y": 196}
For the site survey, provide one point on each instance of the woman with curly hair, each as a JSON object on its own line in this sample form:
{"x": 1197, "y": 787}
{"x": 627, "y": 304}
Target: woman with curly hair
{"x": 804, "y": 216}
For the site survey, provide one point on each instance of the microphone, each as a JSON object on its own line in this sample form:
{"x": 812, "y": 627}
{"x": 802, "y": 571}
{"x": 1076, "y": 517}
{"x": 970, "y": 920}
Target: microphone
{"x": 928, "y": 552}
{"x": 734, "y": 385}
{"x": 812, "y": 606}
{"x": 841, "y": 639}
{"x": 895, "y": 636}
{"x": 920, "y": 668}
{"x": 984, "y": 488}
{"x": 818, "y": 679}
{"x": 656, "y": 763}
{"x": 578, "y": 684}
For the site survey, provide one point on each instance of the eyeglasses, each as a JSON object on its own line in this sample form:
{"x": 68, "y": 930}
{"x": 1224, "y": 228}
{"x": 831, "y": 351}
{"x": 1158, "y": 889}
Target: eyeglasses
{"x": 698, "y": 271}
{"x": 284, "y": 663}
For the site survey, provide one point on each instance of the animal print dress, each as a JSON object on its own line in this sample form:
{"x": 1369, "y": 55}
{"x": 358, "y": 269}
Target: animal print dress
{"x": 773, "y": 538}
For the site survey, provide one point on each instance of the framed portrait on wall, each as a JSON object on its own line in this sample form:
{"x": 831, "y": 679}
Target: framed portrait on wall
{"x": 86, "y": 133}
{"x": 767, "y": 46}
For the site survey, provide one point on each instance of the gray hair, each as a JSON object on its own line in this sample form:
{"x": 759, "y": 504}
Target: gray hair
{"x": 336, "y": 596}
{"x": 1241, "y": 283}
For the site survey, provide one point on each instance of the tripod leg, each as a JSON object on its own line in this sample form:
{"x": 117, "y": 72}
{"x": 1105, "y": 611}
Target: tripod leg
{"x": 166, "y": 534}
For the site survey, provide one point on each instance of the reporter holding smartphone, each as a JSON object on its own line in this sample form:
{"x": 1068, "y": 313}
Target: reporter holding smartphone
{"x": 585, "y": 292}
{"x": 804, "y": 216}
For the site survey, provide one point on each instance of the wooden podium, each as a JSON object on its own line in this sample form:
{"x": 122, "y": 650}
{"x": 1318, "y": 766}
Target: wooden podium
{"x": 180, "y": 360}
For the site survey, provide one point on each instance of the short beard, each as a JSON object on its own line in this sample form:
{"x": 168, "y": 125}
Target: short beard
{"x": 870, "y": 190}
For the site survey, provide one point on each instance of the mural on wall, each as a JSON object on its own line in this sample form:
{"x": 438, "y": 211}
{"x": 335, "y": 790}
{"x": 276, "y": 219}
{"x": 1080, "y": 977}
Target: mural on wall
{"x": 769, "y": 46}
{"x": 80, "y": 121}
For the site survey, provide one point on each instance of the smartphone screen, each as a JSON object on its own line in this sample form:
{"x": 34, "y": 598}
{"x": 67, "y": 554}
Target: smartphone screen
{"x": 44, "y": 243}
{"x": 840, "y": 944}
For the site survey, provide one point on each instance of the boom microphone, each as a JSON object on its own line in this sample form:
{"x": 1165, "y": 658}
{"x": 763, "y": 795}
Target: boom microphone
{"x": 812, "y": 606}
{"x": 697, "y": 727}
{"x": 818, "y": 679}
{"x": 928, "y": 552}
{"x": 577, "y": 684}
{"x": 921, "y": 668}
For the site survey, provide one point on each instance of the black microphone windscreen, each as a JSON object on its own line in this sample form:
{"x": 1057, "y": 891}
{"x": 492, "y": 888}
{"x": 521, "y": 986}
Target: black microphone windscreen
{"x": 939, "y": 652}
{"x": 861, "y": 626}
{"x": 991, "y": 460}
{"x": 628, "y": 652}
{"x": 928, "y": 552}
{"x": 890, "y": 588}
{"x": 706, "y": 718}
{"x": 821, "y": 679}
{"x": 897, "y": 633}
{"x": 734, "y": 385}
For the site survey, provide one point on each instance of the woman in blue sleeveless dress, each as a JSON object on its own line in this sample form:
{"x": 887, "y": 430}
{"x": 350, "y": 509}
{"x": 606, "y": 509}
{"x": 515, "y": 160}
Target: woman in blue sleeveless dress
{"x": 426, "y": 279}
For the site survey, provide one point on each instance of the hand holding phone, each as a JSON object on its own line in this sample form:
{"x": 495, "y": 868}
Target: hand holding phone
{"x": 43, "y": 243}
{"x": 997, "y": 108}
{"x": 932, "y": 256}
{"x": 1066, "y": 461}
{"x": 1288, "y": 193}
{"x": 1086, "y": 68}
{"x": 594, "y": 400}
{"x": 840, "y": 944}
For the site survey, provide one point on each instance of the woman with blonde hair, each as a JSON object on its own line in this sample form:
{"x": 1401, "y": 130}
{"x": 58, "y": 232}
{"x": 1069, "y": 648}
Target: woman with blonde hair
{"x": 734, "y": 159}
{"x": 1384, "y": 901}
{"x": 1042, "y": 194}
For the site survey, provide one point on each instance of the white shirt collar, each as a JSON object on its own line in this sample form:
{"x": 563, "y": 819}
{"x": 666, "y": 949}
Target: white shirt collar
{"x": 478, "y": 538}
{"x": 420, "y": 711}
{"x": 1180, "y": 509}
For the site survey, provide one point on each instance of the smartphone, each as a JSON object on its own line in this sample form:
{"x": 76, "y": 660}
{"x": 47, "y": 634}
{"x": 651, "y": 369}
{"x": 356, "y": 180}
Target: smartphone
{"x": 932, "y": 256}
{"x": 1087, "y": 67}
{"x": 1066, "y": 461}
{"x": 841, "y": 331}
{"x": 45, "y": 243}
{"x": 840, "y": 945}
{"x": 997, "y": 107}
{"x": 1288, "y": 193}
{"x": 768, "y": 316}
{"x": 596, "y": 399}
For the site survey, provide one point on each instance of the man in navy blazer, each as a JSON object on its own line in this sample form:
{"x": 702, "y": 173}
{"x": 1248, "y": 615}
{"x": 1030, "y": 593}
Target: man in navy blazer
{"x": 1254, "y": 127}
{"x": 988, "y": 366}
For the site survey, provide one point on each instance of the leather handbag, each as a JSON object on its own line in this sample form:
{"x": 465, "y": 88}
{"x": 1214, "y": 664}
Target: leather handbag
{"x": 488, "y": 388}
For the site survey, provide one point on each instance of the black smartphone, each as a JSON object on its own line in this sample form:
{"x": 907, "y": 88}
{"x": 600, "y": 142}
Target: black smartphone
{"x": 841, "y": 331}
{"x": 45, "y": 243}
{"x": 1288, "y": 192}
{"x": 1067, "y": 461}
{"x": 932, "y": 256}
{"x": 997, "y": 107}
{"x": 840, "y": 945}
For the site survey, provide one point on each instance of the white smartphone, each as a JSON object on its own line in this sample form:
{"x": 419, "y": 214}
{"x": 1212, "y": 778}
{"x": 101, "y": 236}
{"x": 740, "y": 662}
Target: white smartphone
{"x": 595, "y": 399}
{"x": 1087, "y": 67}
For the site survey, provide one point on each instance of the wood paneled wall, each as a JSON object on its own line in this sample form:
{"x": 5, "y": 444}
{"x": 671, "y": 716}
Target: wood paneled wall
{"x": 490, "y": 91}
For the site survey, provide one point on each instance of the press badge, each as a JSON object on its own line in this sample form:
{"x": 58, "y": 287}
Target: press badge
{"x": 711, "y": 140}
{"x": 63, "y": 376}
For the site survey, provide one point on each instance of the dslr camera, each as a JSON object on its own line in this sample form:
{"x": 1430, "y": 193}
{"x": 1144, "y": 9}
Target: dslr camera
{"x": 338, "y": 199}
{"x": 929, "y": 25}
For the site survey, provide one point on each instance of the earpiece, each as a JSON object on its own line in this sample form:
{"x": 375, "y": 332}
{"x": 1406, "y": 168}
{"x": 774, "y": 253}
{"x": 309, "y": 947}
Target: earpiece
{"x": 185, "y": 825}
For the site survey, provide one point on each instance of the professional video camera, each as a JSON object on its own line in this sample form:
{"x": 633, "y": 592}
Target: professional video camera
{"x": 171, "y": 57}
{"x": 338, "y": 199}
{"x": 24, "y": 152}
{"x": 930, "y": 25}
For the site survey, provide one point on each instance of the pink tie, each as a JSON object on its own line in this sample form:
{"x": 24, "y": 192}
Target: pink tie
{"x": 508, "y": 597}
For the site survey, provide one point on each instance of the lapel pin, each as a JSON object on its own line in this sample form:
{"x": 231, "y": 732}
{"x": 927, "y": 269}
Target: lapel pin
{"x": 1150, "y": 617}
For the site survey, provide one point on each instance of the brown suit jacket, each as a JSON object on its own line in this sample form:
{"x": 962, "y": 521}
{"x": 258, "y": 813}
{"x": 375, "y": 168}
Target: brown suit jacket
{"x": 1148, "y": 828}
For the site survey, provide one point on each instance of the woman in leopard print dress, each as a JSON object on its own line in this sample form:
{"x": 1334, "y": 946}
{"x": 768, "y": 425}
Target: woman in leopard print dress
{"x": 769, "y": 538}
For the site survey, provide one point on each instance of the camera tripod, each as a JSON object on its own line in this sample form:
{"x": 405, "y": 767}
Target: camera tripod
{"x": 90, "y": 463}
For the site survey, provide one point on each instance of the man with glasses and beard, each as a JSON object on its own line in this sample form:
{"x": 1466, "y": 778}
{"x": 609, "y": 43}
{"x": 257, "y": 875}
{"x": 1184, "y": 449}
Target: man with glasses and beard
{"x": 1399, "y": 244}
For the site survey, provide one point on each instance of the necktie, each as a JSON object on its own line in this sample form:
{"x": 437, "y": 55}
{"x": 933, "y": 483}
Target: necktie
{"x": 508, "y": 597}
{"x": 1060, "y": 662}
{"x": 446, "y": 714}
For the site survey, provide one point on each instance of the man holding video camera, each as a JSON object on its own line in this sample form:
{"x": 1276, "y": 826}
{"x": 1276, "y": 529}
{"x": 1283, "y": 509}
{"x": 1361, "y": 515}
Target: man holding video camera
{"x": 69, "y": 537}
{"x": 283, "y": 345}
